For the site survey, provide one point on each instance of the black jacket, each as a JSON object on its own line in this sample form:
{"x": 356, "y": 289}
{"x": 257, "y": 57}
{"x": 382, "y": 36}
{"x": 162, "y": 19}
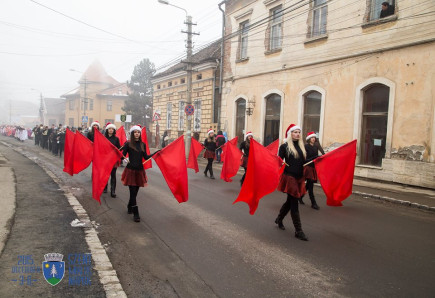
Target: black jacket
{"x": 135, "y": 156}
{"x": 114, "y": 140}
{"x": 220, "y": 140}
{"x": 245, "y": 148}
{"x": 295, "y": 166}
{"x": 210, "y": 146}
{"x": 312, "y": 153}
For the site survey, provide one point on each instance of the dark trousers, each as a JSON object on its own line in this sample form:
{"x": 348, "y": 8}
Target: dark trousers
{"x": 209, "y": 167}
{"x": 291, "y": 205}
{"x": 112, "y": 180}
{"x": 133, "y": 194}
{"x": 218, "y": 154}
{"x": 60, "y": 148}
{"x": 243, "y": 177}
{"x": 44, "y": 142}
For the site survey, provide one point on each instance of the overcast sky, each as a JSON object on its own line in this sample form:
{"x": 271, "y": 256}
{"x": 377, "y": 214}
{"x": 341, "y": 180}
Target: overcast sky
{"x": 39, "y": 46}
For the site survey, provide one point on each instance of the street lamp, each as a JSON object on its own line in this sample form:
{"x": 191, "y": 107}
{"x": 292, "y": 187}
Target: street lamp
{"x": 188, "y": 61}
{"x": 41, "y": 106}
{"x": 85, "y": 99}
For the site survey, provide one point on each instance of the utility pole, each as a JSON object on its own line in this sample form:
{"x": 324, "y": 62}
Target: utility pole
{"x": 41, "y": 109}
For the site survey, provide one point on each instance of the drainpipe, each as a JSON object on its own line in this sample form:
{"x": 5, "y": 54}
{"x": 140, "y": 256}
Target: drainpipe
{"x": 222, "y": 47}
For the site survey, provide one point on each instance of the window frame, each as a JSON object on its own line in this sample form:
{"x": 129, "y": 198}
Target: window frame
{"x": 274, "y": 23}
{"x": 168, "y": 115}
{"x": 243, "y": 40}
{"x": 197, "y": 115}
{"x": 181, "y": 115}
{"x": 109, "y": 105}
{"x": 319, "y": 8}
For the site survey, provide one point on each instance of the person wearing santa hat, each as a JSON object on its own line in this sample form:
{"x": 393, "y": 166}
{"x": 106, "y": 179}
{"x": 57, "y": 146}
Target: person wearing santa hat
{"x": 210, "y": 148}
{"x": 309, "y": 170}
{"x": 134, "y": 175}
{"x": 110, "y": 134}
{"x": 244, "y": 147}
{"x": 292, "y": 181}
{"x": 94, "y": 125}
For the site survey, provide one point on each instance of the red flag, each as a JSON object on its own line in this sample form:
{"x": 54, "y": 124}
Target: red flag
{"x": 231, "y": 160}
{"x": 262, "y": 177}
{"x": 68, "y": 156}
{"x": 105, "y": 157}
{"x": 232, "y": 141}
{"x": 273, "y": 147}
{"x": 143, "y": 135}
{"x": 195, "y": 150}
{"x": 82, "y": 153}
{"x": 335, "y": 172}
{"x": 120, "y": 133}
{"x": 172, "y": 162}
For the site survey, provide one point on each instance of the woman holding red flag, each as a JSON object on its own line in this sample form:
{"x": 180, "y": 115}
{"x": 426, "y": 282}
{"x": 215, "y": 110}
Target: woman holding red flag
{"x": 292, "y": 181}
{"x": 309, "y": 170}
{"x": 110, "y": 134}
{"x": 134, "y": 175}
{"x": 210, "y": 148}
{"x": 244, "y": 147}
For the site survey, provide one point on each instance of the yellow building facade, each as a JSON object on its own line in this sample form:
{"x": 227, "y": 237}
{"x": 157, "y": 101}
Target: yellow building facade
{"x": 337, "y": 68}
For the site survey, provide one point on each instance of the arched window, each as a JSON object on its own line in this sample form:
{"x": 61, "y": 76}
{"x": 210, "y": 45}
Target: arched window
{"x": 272, "y": 118}
{"x": 312, "y": 108}
{"x": 374, "y": 124}
{"x": 240, "y": 118}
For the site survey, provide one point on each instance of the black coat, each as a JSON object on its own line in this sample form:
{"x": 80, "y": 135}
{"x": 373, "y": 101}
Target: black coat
{"x": 135, "y": 156}
{"x": 114, "y": 140}
{"x": 210, "y": 145}
{"x": 245, "y": 148}
{"x": 295, "y": 166}
{"x": 312, "y": 153}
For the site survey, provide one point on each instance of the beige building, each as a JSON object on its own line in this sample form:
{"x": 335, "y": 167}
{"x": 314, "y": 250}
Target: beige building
{"x": 99, "y": 98}
{"x": 169, "y": 95}
{"x": 337, "y": 68}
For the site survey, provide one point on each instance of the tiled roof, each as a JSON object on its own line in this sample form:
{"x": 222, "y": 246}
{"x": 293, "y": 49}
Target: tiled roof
{"x": 210, "y": 53}
{"x": 118, "y": 90}
{"x": 97, "y": 73}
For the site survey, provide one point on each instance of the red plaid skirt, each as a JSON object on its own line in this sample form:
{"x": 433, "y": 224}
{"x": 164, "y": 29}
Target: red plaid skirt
{"x": 292, "y": 186}
{"x": 209, "y": 154}
{"x": 131, "y": 177}
{"x": 244, "y": 161}
{"x": 310, "y": 173}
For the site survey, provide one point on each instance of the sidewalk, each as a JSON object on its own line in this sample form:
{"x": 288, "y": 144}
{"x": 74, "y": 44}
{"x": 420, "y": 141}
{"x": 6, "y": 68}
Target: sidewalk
{"x": 414, "y": 197}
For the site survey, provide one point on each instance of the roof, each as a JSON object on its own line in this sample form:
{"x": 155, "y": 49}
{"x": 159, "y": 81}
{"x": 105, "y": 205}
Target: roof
{"x": 210, "y": 53}
{"x": 119, "y": 90}
{"x": 96, "y": 73}
{"x": 54, "y": 105}
{"x": 75, "y": 91}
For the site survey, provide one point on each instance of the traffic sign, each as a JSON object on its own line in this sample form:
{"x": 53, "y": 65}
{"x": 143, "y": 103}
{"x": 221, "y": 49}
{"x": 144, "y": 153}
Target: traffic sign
{"x": 156, "y": 117}
{"x": 84, "y": 119}
{"x": 189, "y": 110}
{"x": 123, "y": 118}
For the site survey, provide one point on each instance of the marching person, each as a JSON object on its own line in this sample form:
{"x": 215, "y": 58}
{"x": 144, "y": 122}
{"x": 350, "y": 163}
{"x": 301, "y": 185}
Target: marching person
{"x": 134, "y": 175}
{"x": 94, "y": 125}
{"x": 210, "y": 148}
{"x": 292, "y": 180}
{"x": 309, "y": 170}
{"x": 110, "y": 134}
{"x": 220, "y": 141}
{"x": 244, "y": 147}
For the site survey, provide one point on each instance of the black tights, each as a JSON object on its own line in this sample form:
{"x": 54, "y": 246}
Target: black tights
{"x": 291, "y": 205}
{"x": 209, "y": 166}
{"x": 133, "y": 194}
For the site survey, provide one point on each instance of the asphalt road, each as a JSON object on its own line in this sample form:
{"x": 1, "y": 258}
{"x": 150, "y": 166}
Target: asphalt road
{"x": 207, "y": 246}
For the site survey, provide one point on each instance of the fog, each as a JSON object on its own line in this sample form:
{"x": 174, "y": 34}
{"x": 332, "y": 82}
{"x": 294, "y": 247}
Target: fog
{"x": 39, "y": 46}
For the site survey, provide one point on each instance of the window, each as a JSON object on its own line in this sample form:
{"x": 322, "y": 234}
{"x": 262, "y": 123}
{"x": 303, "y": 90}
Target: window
{"x": 169, "y": 84}
{"x": 320, "y": 11}
{"x": 243, "y": 40}
{"x": 169, "y": 115}
{"x": 275, "y": 40}
{"x": 109, "y": 105}
{"x": 312, "y": 107}
{"x": 70, "y": 122}
{"x": 183, "y": 81}
{"x": 240, "y": 119}
{"x": 71, "y": 104}
{"x": 272, "y": 118}
{"x": 374, "y": 124}
{"x": 199, "y": 76}
{"x": 91, "y": 104}
{"x": 181, "y": 105}
{"x": 158, "y": 86}
{"x": 197, "y": 116}
{"x": 376, "y": 11}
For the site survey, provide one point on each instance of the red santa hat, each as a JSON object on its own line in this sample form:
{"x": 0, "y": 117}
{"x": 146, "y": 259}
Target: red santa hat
{"x": 136, "y": 127}
{"x": 110, "y": 125}
{"x": 95, "y": 123}
{"x": 311, "y": 134}
{"x": 249, "y": 133}
{"x": 210, "y": 131}
{"x": 291, "y": 128}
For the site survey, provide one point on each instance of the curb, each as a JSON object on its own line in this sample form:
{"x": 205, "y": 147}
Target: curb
{"x": 108, "y": 277}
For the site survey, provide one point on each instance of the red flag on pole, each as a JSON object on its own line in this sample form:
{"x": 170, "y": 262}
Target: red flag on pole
{"x": 143, "y": 135}
{"x": 232, "y": 141}
{"x": 68, "y": 152}
{"x": 172, "y": 162}
{"x": 82, "y": 153}
{"x": 195, "y": 149}
{"x": 120, "y": 133}
{"x": 335, "y": 171}
{"x": 262, "y": 177}
{"x": 273, "y": 147}
{"x": 231, "y": 160}
{"x": 105, "y": 157}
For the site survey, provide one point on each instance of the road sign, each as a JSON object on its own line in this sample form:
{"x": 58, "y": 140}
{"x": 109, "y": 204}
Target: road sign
{"x": 84, "y": 119}
{"x": 123, "y": 118}
{"x": 156, "y": 117}
{"x": 189, "y": 110}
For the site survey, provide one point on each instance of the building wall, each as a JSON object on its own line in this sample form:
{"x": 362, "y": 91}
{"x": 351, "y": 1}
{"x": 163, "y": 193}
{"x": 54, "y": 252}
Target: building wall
{"x": 352, "y": 56}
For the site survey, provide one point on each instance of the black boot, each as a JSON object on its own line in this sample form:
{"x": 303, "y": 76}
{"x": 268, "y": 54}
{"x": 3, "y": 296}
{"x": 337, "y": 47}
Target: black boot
{"x": 129, "y": 209}
{"x": 136, "y": 217}
{"x": 211, "y": 174}
{"x": 300, "y": 200}
{"x": 112, "y": 188}
{"x": 105, "y": 189}
{"x": 112, "y": 193}
{"x": 313, "y": 201}
{"x": 205, "y": 172}
{"x": 282, "y": 213}
{"x": 298, "y": 227}
{"x": 278, "y": 221}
